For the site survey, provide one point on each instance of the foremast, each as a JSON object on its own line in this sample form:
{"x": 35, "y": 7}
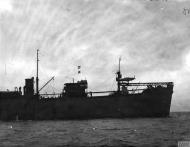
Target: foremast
{"x": 37, "y": 79}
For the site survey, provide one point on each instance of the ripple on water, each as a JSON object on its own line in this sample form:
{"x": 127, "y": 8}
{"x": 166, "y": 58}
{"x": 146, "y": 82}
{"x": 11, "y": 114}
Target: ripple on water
{"x": 106, "y": 132}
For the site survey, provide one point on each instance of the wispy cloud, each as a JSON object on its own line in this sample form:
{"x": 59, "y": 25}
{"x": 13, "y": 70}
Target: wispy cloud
{"x": 5, "y": 6}
{"x": 151, "y": 36}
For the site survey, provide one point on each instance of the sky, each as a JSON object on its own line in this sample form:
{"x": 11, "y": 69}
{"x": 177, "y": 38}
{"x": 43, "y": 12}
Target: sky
{"x": 151, "y": 37}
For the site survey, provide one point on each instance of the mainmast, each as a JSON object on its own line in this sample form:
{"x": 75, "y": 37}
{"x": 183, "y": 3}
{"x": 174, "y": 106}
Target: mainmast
{"x": 37, "y": 79}
{"x": 119, "y": 63}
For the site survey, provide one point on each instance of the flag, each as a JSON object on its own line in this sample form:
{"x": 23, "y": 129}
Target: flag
{"x": 79, "y": 67}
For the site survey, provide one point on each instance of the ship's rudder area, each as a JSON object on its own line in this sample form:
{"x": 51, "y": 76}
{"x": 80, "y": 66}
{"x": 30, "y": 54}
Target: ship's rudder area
{"x": 17, "y": 109}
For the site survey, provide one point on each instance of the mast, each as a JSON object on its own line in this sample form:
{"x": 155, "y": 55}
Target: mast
{"x": 118, "y": 76}
{"x": 37, "y": 79}
{"x": 119, "y": 63}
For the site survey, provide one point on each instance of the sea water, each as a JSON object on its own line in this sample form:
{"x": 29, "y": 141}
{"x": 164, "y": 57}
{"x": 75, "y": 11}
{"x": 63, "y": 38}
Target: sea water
{"x": 98, "y": 132}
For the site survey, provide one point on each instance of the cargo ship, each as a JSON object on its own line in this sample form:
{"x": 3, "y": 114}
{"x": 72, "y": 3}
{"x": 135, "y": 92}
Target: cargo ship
{"x": 130, "y": 99}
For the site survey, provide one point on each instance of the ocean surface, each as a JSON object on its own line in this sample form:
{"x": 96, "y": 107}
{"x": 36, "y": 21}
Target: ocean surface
{"x": 131, "y": 132}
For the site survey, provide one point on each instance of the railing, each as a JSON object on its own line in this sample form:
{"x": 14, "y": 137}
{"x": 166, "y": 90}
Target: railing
{"x": 114, "y": 91}
{"x": 50, "y": 95}
{"x": 129, "y": 91}
{"x": 147, "y": 84}
{"x": 136, "y": 90}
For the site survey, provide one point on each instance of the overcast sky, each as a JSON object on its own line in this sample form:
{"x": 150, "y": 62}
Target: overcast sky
{"x": 151, "y": 36}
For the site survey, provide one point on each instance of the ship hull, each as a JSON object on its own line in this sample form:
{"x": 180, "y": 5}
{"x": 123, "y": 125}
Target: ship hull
{"x": 155, "y": 103}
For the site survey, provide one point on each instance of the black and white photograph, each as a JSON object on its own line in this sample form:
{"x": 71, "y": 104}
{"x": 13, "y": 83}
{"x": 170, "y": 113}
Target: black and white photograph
{"x": 94, "y": 73}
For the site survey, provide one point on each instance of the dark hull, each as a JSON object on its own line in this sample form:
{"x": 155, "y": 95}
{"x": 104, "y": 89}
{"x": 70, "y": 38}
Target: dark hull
{"x": 153, "y": 103}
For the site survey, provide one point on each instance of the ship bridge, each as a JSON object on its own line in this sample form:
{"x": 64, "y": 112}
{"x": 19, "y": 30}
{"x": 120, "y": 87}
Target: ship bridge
{"x": 77, "y": 89}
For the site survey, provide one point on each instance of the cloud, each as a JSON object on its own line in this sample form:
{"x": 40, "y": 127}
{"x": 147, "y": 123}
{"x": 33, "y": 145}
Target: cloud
{"x": 152, "y": 38}
{"x": 5, "y": 6}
